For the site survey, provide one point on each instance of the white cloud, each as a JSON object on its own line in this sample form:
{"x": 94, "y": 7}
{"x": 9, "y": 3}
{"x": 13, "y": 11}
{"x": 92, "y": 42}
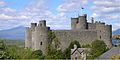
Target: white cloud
{"x": 71, "y": 5}
{"x": 107, "y": 10}
{"x": 34, "y": 12}
{"x": 4, "y": 17}
{"x": 2, "y": 3}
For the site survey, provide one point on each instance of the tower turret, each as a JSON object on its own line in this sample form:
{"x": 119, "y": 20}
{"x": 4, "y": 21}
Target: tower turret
{"x": 28, "y": 38}
{"x": 74, "y": 22}
{"x": 40, "y": 37}
{"x": 82, "y": 22}
{"x": 79, "y": 23}
{"x": 33, "y": 25}
{"x": 42, "y": 23}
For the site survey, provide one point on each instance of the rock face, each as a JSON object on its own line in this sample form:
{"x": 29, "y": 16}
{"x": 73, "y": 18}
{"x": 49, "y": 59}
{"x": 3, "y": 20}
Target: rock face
{"x": 36, "y": 36}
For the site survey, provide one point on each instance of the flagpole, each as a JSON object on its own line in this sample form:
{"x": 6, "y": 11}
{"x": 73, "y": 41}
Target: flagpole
{"x": 82, "y": 10}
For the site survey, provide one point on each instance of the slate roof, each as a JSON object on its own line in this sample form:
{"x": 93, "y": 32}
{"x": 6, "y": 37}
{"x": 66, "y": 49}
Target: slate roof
{"x": 80, "y": 50}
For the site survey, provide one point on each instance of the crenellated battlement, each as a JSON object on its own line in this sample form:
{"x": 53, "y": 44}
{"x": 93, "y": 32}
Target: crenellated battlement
{"x": 81, "y": 30}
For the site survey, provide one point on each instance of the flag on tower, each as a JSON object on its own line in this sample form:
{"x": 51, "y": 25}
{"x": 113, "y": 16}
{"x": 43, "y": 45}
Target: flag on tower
{"x": 82, "y": 8}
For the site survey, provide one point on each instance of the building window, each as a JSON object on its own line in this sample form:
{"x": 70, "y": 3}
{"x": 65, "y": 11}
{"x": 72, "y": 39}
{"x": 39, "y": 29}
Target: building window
{"x": 100, "y": 37}
{"x": 40, "y": 43}
{"x": 77, "y": 21}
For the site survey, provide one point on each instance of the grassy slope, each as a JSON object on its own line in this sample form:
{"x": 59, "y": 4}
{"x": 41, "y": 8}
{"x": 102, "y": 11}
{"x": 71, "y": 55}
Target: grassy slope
{"x": 19, "y": 43}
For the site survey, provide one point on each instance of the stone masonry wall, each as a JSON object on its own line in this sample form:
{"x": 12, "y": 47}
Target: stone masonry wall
{"x": 67, "y": 36}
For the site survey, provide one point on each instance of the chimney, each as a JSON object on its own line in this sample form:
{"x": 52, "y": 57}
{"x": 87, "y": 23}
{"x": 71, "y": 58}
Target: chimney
{"x": 75, "y": 46}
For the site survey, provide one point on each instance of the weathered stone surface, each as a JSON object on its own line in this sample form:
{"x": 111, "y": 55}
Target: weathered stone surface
{"x": 81, "y": 30}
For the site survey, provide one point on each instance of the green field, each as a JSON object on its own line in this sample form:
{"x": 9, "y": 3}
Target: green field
{"x": 19, "y": 43}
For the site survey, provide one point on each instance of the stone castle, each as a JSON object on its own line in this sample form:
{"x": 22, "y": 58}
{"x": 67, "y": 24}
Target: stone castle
{"x": 82, "y": 31}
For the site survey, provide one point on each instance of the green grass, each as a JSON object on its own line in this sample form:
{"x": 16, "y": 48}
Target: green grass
{"x": 19, "y": 43}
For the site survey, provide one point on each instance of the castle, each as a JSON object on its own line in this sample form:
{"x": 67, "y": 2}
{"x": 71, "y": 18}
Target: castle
{"x": 36, "y": 36}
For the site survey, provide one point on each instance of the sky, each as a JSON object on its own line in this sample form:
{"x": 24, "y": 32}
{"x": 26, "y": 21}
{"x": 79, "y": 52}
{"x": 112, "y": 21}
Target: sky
{"x": 57, "y": 13}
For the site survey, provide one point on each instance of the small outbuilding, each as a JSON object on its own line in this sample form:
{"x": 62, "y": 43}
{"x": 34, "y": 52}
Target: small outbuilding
{"x": 79, "y": 53}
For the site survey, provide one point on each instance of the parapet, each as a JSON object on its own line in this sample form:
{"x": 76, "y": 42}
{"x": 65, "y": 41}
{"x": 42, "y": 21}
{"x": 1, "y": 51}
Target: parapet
{"x": 42, "y": 23}
{"x": 99, "y": 22}
{"x": 33, "y": 25}
{"x": 85, "y": 15}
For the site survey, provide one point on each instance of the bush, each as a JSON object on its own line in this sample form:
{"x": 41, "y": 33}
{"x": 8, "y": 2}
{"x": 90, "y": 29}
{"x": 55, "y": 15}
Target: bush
{"x": 98, "y": 48}
{"x": 67, "y": 51}
{"x": 71, "y": 46}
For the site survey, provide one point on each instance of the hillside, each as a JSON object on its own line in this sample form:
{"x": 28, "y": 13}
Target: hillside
{"x": 19, "y": 43}
{"x": 116, "y": 32}
{"x": 14, "y": 33}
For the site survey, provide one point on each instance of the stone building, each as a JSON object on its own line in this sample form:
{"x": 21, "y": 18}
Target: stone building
{"x": 79, "y": 53}
{"x": 82, "y": 31}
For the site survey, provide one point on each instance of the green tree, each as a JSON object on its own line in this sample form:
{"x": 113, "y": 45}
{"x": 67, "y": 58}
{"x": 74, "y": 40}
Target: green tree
{"x": 74, "y": 43}
{"x": 86, "y": 46}
{"x": 3, "y": 51}
{"x": 37, "y": 54}
{"x": 67, "y": 51}
{"x": 19, "y": 53}
{"x": 53, "y": 51}
{"x": 98, "y": 47}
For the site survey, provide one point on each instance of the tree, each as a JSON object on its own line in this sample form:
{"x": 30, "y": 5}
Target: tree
{"x": 19, "y": 53}
{"x": 86, "y": 46}
{"x": 71, "y": 46}
{"x": 98, "y": 47}
{"x": 3, "y": 51}
{"x": 37, "y": 54}
{"x": 53, "y": 51}
{"x": 67, "y": 51}
{"x": 53, "y": 40}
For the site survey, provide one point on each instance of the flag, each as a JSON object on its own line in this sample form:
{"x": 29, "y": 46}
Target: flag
{"x": 82, "y": 8}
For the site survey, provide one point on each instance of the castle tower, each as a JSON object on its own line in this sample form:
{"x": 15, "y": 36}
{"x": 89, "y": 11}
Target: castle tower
{"x": 108, "y": 35}
{"x": 28, "y": 35}
{"x": 79, "y": 23}
{"x": 40, "y": 37}
{"x": 104, "y": 32}
{"x": 33, "y": 25}
{"x": 74, "y": 22}
{"x": 28, "y": 38}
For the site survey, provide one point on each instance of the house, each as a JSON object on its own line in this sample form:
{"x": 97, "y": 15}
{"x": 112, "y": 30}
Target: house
{"x": 79, "y": 53}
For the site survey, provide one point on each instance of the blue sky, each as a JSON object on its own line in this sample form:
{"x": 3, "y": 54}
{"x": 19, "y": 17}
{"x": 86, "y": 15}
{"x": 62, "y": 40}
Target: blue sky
{"x": 57, "y": 13}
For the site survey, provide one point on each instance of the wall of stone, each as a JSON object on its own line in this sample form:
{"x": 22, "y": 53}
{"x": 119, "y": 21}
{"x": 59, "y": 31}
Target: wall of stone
{"x": 28, "y": 38}
{"x": 67, "y": 36}
{"x": 40, "y": 38}
{"x": 37, "y": 35}
{"x": 74, "y": 22}
{"x": 82, "y": 23}
{"x": 104, "y": 33}
{"x": 91, "y": 26}
{"x": 108, "y": 35}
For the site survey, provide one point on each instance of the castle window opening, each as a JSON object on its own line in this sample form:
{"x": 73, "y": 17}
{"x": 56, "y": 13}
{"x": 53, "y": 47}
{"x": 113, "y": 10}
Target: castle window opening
{"x": 76, "y": 21}
{"x": 40, "y": 43}
{"x": 40, "y": 24}
{"x": 100, "y": 37}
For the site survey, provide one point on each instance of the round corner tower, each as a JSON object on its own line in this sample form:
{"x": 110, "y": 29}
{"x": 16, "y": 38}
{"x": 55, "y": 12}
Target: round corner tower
{"x": 28, "y": 35}
{"x": 40, "y": 37}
